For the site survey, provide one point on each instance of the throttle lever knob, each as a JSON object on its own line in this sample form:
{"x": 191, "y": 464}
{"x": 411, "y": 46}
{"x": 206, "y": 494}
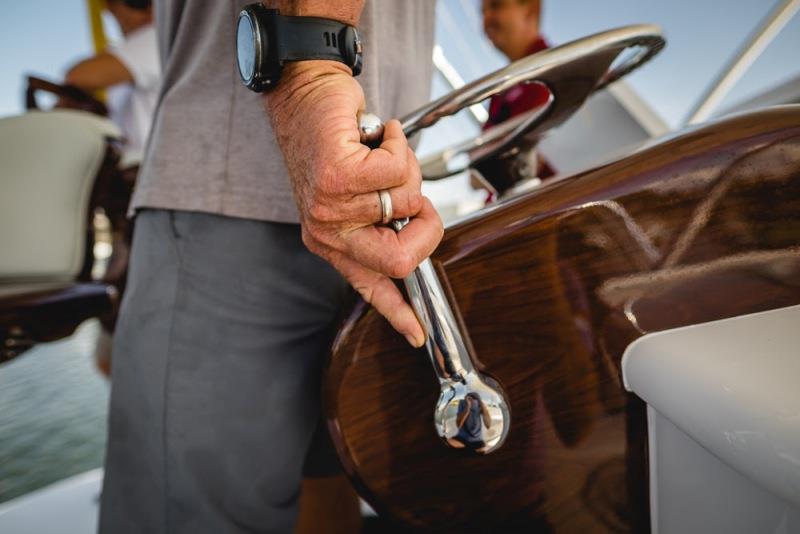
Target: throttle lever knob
{"x": 370, "y": 127}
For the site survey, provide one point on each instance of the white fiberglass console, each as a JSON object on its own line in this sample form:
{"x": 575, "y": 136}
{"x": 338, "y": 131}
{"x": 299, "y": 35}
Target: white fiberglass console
{"x": 724, "y": 423}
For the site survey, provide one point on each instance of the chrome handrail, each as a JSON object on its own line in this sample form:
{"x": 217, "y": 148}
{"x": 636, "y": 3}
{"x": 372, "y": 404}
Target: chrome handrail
{"x": 742, "y": 61}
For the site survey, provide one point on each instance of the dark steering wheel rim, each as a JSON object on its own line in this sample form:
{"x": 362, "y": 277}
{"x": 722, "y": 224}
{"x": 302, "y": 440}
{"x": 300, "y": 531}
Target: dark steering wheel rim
{"x": 571, "y": 72}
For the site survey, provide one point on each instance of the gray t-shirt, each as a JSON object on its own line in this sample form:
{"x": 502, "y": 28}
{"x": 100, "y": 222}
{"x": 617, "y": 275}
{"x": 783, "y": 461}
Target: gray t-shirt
{"x": 212, "y": 148}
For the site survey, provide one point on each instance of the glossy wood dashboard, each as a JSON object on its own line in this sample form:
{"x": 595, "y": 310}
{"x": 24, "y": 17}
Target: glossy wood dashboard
{"x": 551, "y": 288}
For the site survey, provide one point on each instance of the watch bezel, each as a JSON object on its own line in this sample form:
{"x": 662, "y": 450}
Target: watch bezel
{"x": 266, "y": 67}
{"x": 255, "y": 42}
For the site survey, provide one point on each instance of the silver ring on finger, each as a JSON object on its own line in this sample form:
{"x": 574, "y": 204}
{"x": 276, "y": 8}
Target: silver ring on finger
{"x": 386, "y": 206}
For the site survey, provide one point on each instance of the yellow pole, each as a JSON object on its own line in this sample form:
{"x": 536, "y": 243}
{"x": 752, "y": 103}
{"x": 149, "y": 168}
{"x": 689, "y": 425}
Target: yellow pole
{"x": 95, "y": 8}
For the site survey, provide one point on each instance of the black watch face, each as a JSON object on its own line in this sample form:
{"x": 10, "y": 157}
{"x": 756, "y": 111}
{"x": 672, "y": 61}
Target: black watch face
{"x": 246, "y": 47}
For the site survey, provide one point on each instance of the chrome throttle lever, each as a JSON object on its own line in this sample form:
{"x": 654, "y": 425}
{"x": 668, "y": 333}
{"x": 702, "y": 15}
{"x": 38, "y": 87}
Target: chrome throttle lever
{"x": 472, "y": 412}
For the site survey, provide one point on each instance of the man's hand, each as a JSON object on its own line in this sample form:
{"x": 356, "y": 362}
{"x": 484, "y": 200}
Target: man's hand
{"x": 336, "y": 180}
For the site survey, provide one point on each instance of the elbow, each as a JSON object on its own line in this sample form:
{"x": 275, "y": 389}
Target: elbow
{"x": 69, "y": 78}
{"x": 84, "y": 76}
{"x": 74, "y": 78}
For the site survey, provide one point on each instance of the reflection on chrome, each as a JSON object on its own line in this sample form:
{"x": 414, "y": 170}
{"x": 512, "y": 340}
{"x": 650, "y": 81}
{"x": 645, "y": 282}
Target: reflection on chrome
{"x": 464, "y": 155}
{"x": 370, "y": 128}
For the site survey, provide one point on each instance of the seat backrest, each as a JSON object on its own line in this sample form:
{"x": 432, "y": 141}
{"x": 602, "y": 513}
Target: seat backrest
{"x": 48, "y": 165}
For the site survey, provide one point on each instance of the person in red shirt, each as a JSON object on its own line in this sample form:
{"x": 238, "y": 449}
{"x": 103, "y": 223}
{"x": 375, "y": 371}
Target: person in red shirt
{"x": 513, "y": 27}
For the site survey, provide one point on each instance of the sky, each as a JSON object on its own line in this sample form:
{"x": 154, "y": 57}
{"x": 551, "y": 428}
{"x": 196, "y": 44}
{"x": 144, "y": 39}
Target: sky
{"x": 41, "y": 37}
{"x": 44, "y": 37}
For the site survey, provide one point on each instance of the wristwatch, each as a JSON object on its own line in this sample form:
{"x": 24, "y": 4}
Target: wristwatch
{"x": 266, "y": 40}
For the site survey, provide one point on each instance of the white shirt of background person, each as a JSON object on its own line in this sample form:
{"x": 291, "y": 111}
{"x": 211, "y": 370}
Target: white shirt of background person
{"x": 131, "y": 106}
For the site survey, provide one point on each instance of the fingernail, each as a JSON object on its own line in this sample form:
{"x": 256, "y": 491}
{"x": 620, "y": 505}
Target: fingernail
{"x": 413, "y": 341}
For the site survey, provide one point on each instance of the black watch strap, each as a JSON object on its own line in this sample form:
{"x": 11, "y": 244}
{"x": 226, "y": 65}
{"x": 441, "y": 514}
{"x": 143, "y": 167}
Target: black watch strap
{"x": 302, "y": 38}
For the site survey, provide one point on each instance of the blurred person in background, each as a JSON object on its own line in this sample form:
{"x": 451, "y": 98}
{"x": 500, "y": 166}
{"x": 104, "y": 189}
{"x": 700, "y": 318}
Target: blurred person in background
{"x": 513, "y": 27}
{"x": 130, "y": 74}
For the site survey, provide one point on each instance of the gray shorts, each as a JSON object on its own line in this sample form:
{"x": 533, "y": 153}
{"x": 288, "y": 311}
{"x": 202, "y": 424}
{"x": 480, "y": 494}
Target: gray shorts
{"x": 216, "y": 375}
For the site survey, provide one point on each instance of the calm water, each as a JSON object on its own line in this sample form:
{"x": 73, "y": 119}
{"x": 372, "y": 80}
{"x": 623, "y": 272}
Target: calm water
{"x": 53, "y": 407}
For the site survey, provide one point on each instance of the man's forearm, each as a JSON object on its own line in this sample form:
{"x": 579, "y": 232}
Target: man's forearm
{"x": 336, "y": 179}
{"x": 346, "y": 11}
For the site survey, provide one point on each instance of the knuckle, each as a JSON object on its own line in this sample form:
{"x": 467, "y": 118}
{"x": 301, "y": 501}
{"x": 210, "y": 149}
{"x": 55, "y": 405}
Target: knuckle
{"x": 394, "y": 168}
{"x": 439, "y": 228}
{"x": 319, "y": 212}
{"x": 417, "y": 181}
{"x": 315, "y": 235}
{"x": 367, "y": 292}
{"x": 401, "y": 266}
{"x": 309, "y": 240}
{"x": 414, "y": 200}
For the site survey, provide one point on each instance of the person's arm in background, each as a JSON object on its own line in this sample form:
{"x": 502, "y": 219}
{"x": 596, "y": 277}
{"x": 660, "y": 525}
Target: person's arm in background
{"x": 98, "y": 72}
{"x": 336, "y": 179}
{"x": 487, "y": 418}
{"x": 464, "y": 407}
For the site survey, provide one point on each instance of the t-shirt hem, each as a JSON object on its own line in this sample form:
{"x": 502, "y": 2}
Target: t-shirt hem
{"x": 230, "y": 207}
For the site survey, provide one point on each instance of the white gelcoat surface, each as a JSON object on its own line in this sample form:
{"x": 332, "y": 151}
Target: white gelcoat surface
{"x": 724, "y": 406}
{"x": 69, "y": 506}
{"x": 694, "y": 492}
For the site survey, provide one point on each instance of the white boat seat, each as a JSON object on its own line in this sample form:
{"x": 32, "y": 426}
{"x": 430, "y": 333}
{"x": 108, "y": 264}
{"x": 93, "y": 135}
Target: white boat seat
{"x": 49, "y": 164}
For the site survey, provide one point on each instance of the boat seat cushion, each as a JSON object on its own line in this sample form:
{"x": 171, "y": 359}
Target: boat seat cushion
{"x": 49, "y": 164}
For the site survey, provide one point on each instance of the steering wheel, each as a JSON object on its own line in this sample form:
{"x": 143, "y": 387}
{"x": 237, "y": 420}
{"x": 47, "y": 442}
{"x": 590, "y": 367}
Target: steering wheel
{"x": 571, "y": 72}
{"x": 69, "y": 96}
